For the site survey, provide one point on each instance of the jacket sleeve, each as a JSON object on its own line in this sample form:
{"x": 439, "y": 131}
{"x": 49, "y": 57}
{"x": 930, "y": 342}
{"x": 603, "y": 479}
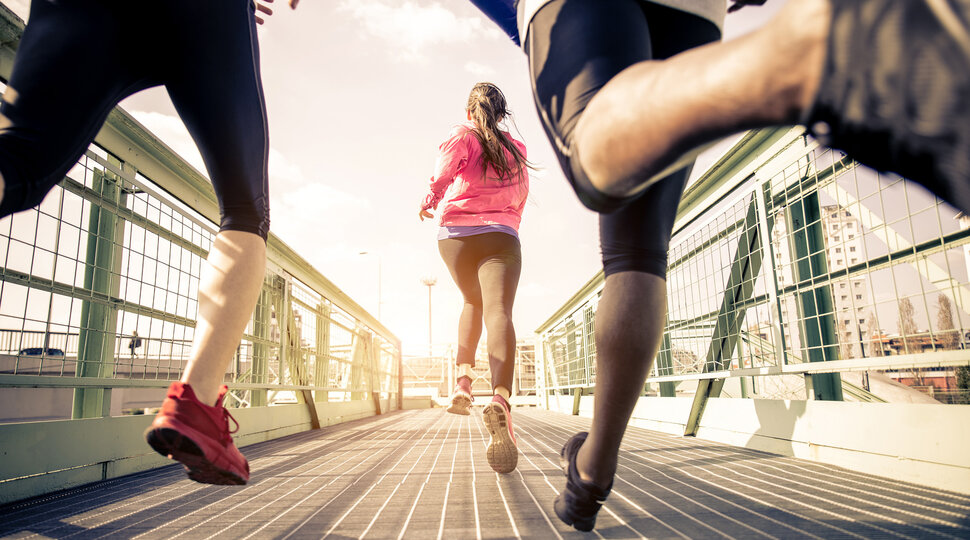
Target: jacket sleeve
{"x": 452, "y": 156}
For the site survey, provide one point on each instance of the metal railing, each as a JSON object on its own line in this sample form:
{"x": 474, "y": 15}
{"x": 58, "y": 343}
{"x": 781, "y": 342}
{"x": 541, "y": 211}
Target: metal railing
{"x": 98, "y": 288}
{"x": 434, "y": 376}
{"x": 789, "y": 265}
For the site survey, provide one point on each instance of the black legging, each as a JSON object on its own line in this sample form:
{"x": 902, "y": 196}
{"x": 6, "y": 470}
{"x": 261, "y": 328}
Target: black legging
{"x": 78, "y": 58}
{"x": 575, "y": 47}
{"x": 486, "y": 268}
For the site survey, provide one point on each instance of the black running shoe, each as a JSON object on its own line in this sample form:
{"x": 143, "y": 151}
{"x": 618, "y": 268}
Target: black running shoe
{"x": 895, "y": 91}
{"x": 578, "y": 504}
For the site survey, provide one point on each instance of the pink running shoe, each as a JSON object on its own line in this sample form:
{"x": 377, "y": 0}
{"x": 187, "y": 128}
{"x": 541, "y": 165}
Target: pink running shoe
{"x": 502, "y": 453}
{"x": 198, "y": 435}
{"x": 461, "y": 399}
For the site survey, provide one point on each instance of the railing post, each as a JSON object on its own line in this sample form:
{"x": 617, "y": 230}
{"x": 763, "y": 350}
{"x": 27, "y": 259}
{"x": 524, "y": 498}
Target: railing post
{"x": 262, "y": 331}
{"x": 99, "y": 318}
{"x": 665, "y": 366}
{"x": 762, "y": 200}
{"x": 321, "y": 370}
{"x": 373, "y": 356}
{"x": 542, "y": 371}
{"x": 577, "y": 397}
{"x": 589, "y": 346}
{"x": 358, "y": 356}
{"x": 815, "y": 306}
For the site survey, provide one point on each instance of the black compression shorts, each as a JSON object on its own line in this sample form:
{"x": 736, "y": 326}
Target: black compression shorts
{"x": 78, "y": 58}
{"x": 575, "y": 47}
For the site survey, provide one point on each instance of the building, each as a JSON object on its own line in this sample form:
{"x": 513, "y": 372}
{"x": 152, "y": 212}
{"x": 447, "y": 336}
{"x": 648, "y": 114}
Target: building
{"x": 851, "y": 298}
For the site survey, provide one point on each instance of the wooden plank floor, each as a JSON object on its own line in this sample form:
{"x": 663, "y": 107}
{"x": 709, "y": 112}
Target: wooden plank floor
{"x": 422, "y": 474}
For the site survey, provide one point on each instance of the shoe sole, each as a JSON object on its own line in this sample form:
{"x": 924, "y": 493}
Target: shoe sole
{"x": 460, "y": 405}
{"x": 501, "y": 454}
{"x": 174, "y": 445}
{"x": 584, "y": 525}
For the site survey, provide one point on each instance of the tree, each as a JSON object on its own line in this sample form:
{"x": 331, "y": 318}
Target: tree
{"x": 845, "y": 339}
{"x": 907, "y": 324}
{"x": 963, "y": 383}
{"x": 949, "y": 338}
{"x": 907, "y": 329}
{"x": 875, "y": 335}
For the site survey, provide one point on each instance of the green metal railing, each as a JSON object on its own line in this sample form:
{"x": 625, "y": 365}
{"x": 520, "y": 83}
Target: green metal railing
{"x": 789, "y": 265}
{"x": 98, "y": 289}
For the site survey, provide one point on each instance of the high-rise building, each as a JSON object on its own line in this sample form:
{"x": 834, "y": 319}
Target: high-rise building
{"x": 844, "y": 248}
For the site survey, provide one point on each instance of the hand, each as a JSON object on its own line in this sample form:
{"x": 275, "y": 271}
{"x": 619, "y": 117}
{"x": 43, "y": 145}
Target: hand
{"x": 424, "y": 214}
{"x": 262, "y": 8}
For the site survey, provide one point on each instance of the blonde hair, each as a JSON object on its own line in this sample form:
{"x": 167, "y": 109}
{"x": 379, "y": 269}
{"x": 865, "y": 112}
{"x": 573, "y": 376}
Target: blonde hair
{"x": 487, "y": 107}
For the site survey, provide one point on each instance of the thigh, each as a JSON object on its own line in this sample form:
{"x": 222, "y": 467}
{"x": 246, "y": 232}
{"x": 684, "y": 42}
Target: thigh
{"x": 67, "y": 76}
{"x": 575, "y": 47}
{"x": 499, "y": 269}
{"x": 215, "y": 85}
{"x": 461, "y": 257}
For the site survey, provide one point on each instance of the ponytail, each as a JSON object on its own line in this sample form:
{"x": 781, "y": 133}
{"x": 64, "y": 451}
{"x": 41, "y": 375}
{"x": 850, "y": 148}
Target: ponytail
{"x": 487, "y": 107}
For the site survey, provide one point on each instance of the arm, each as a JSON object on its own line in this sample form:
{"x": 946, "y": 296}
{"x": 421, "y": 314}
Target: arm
{"x": 452, "y": 156}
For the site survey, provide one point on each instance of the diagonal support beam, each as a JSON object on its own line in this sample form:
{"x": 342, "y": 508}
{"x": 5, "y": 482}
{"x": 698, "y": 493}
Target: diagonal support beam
{"x": 727, "y": 328}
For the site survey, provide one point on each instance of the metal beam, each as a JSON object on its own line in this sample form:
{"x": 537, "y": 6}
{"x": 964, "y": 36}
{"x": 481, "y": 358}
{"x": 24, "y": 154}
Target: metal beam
{"x": 102, "y": 274}
{"x": 738, "y": 289}
{"x": 665, "y": 366}
{"x": 816, "y": 311}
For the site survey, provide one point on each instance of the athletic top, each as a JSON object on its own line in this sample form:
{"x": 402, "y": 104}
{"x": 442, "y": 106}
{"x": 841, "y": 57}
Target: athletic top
{"x": 514, "y": 16}
{"x": 453, "y": 231}
{"x": 470, "y": 196}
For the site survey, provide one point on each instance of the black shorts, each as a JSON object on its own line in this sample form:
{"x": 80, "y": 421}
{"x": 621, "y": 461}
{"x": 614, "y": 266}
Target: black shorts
{"x": 78, "y": 58}
{"x": 575, "y": 47}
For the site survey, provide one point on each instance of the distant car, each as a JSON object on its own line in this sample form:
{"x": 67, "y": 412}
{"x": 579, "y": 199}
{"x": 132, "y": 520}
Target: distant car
{"x": 41, "y": 351}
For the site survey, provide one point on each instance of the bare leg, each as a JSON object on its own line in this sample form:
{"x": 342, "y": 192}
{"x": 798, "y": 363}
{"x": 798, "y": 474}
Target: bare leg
{"x": 645, "y": 118}
{"x": 469, "y": 331}
{"x": 228, "y": 290}
{"x": 629, "y": 326}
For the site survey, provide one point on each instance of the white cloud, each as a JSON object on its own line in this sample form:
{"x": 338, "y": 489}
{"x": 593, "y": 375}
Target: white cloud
{"x": 411, "y": 28}
{"x": 301, "y": 207}
{"x": 479, "y": 70}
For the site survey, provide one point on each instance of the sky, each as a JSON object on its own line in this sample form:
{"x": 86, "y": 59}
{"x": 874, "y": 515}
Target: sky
{"x": 359, "y": 94}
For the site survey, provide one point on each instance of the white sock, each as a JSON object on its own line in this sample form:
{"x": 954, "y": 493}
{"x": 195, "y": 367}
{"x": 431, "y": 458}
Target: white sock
{"x": 504, "y": 392}
{"x": 465, "y": 370}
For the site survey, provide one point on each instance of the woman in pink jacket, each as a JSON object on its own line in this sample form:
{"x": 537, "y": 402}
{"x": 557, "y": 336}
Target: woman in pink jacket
{"x": 481, "y": 181}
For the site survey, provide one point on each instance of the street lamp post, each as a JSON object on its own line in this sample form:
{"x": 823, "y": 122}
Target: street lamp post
{"x": 429, "y": 282}
{"x": 379, "y": 280}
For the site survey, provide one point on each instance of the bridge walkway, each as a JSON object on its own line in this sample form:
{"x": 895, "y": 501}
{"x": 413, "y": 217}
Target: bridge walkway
{"x": 422, "y": 474}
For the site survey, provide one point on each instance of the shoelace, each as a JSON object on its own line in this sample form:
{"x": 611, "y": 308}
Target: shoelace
{"x": 227, "y": 433}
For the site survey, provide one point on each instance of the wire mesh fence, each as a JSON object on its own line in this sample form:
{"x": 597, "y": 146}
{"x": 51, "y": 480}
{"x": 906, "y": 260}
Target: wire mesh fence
{"x": 807, "y": 258}
{"x": 101, "y": 281}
